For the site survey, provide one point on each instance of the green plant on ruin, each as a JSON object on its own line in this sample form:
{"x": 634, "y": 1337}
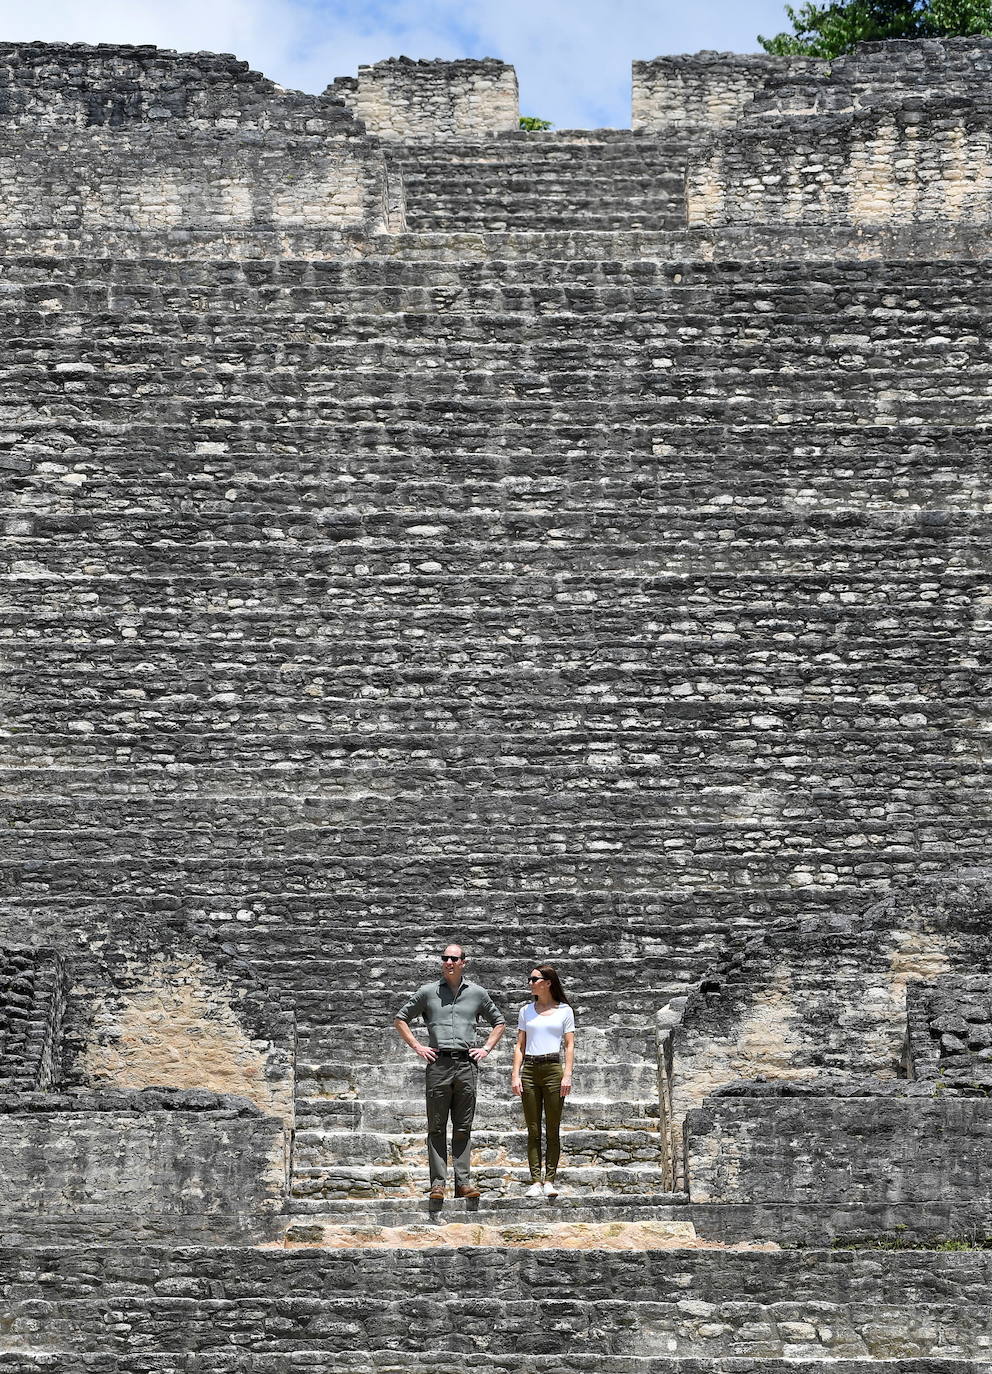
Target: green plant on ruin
{"x": 531, "y": 125}
{"x": 829, "y": 30}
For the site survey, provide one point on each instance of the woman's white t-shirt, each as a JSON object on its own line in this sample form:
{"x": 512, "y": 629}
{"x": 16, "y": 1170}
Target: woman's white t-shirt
{"x": 544, "y": 1032}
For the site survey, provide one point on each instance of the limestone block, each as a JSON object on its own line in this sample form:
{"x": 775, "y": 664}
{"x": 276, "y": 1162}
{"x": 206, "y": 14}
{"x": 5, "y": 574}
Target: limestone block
{"x": 872, "y": 1149}
{"x": 221, "y": 1160}
{"x": 403, "y": 99}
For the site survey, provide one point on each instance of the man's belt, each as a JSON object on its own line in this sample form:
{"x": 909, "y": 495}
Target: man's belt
{"x": 454, "y": 1054}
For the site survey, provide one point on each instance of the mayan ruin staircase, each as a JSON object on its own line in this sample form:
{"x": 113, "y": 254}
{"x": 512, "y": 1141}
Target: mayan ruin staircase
{"x": 573, "y": 544}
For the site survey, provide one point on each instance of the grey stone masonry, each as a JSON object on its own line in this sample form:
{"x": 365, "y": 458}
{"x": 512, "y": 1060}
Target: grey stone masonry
{"x": 706, "y": 91}
{"x": 600, "y": 179}
{"x": 950, "y": 1033}
{"x": 494, "y": 1311}
{"x": 414, "y": 530}
{"x": 119, "y": 141}
{"x": 32, "y": 1004}
{"x": 408, "y": 100}
{"x": 131, "y": 1159}
{"x": 809, "y": 1148}
{"x": 897, "y": 133}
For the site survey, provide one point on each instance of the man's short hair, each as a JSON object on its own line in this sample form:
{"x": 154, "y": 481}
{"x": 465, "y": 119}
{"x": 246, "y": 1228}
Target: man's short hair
{"x": 460, "y": 948}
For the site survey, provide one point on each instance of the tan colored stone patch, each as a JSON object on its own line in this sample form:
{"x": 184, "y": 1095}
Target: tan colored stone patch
{"x": 613, "y": 1235}
{"x": 177, "y": 1029}
{"x": 918, "y": 955}
{"x": 767, "y": 1044}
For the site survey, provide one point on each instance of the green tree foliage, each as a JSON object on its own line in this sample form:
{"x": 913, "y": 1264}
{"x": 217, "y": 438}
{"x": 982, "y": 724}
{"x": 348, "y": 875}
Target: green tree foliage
{"x": 829, "y": 30}
{"x": 531, "y": 125}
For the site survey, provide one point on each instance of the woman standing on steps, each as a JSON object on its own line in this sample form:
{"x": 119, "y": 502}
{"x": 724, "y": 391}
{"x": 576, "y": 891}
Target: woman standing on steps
{"x": 538, "y": 1075}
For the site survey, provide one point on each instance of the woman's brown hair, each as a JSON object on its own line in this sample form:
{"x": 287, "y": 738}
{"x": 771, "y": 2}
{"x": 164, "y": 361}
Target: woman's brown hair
{"x": 551, "y": 973}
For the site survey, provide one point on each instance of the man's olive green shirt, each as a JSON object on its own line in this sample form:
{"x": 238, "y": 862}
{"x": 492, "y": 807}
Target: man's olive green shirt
{"x": 451, "y": 1016}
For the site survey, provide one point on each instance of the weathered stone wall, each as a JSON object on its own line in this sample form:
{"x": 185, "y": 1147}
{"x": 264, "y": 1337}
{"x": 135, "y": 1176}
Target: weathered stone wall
{"x": 404, "y": 99}
{"x": 111, "y": 1156}
{"x": 867, "y": 1149}
{"x": 136, "y": 140}
{"x": 950, "y": 1033}
{"x": 599, "y": 178}
{"x": 32, "y": 1005}
{"x": 593, "y": 595}
{"x": 175, "y": 1021}
{"x": 827, "y": 996}
{"x": 876, "y": 168}
{"x": 78, "y": 85}
{"x": 881, "y": 75}
{"x": 706, "y": 91}
{"x": 496, "y": 1309}
{"x": 855, "y": 147}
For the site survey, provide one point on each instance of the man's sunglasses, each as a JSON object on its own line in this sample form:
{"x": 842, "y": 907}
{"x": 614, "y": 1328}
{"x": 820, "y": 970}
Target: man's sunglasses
{"x": 452, "y": 958}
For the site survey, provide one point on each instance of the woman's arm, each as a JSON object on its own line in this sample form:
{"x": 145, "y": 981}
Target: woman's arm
{"x": 518, "y": 1063}
{"x": 566, "y": 1078}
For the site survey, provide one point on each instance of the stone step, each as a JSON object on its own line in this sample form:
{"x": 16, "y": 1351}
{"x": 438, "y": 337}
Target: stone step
{"x": 373, "y": 1048}
{"x": 590, "y": 258}
{"x": 664, "y": 658}
{"x": 429, "y": 1362}
{"x": 499, "y": 1210}
{"x": 93, "y": 867}
{"x": 420, "y": 440}
{"x": 488, "y": 308}
{"x": 687, "y": 406}
{"x": 776, "y": 675}
{"x": 892, "y": 377}
{"x": 637, "y": 486}
{"x": 397, "y": 1116}
{"x": 714, "y": 915}
{"x": 349, "y": 1180}
{"x": 324, "y": 1145}
{"x": 99, "y": 496}
{"x": 777, "y": 555}
{"x": 389, "y": 1307}
{"x": 547, "y": 1231}
{"x": 149, "y": 322}
{"x": 45, "y": 347}
{"x": 544, "y": 149}
{"x": 798, "y": 245}
{"x": 168, "y": 838}
{"x": 436, "y": 212}
{"x": 237, "y": 532}
{"x": 279, "y": 766}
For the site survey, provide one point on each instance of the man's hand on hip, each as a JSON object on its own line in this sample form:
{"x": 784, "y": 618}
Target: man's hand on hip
{"x": 478, "y": 1054}
{"x": 425, "y": 1052}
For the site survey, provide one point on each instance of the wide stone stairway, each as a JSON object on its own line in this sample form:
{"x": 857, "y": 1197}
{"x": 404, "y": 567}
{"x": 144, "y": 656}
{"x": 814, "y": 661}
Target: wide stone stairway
{"x": 600, "y": 179}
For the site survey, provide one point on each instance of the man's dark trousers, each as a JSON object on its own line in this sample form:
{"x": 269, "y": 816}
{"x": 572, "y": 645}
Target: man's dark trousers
{"x": 451, "y": 1085}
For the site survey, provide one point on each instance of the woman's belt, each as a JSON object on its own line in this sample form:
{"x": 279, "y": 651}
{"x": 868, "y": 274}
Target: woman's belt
{"x": 543, "y": 1058}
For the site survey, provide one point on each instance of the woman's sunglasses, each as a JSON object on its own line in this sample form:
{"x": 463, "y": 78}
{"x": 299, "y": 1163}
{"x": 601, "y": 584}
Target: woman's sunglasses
{"x": 537, "y": 980}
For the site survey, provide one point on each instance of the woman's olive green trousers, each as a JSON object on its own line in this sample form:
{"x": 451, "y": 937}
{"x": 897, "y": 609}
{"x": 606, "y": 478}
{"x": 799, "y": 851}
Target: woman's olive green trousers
{"x": 541, "y": 1096}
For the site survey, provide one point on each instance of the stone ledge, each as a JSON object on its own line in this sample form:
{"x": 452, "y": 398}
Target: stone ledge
{"x": 84, "y": 1102}
{"x": 523, "y": 1235}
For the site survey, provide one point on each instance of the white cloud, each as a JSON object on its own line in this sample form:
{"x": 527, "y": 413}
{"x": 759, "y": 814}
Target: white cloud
{"x": 573, "y": 56}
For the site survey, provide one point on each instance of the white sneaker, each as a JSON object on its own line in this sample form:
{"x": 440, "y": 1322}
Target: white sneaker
{"x": 550, "y": 1190}
{"x": 535, "y": 1190}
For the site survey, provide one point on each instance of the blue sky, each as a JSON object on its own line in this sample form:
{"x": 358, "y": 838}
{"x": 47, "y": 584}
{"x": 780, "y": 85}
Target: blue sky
{"x": 572, "y": 56}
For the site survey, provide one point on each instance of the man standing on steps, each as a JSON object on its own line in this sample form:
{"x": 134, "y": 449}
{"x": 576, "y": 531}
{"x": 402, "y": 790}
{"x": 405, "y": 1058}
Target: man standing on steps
{"x": 451, "y": 1005}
